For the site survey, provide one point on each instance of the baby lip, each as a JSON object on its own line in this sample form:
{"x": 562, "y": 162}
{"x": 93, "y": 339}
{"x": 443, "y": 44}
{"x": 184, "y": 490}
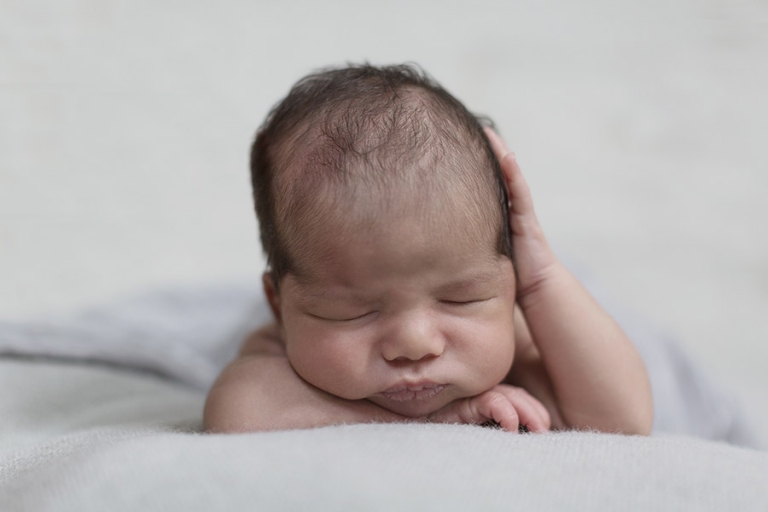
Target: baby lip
{"x": 418, "y": 391}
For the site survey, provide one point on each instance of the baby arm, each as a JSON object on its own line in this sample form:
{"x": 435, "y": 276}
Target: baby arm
{"x": 592, "y": 373}
{"x": 261, "y": 391}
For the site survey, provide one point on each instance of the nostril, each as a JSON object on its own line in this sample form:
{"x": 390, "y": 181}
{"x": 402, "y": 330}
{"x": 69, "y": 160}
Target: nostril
{"x": 412, "y": 344}
{"x": 403, "y": 360}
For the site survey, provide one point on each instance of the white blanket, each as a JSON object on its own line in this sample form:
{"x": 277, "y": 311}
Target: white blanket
{"x": 189, "y": 334}
{"x": 86, "y": 438}
{"x": 101, "y": 411}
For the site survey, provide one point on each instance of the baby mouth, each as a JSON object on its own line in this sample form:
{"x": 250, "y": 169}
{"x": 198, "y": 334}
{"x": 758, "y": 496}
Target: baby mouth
{"x": 407, "y": 392}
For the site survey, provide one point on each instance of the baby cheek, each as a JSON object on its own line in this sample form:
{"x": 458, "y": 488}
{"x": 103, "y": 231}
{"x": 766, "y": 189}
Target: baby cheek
{"x": 491, "y": 348}
{"x": 327, "y": 361}
{"x": 499, "y": 353}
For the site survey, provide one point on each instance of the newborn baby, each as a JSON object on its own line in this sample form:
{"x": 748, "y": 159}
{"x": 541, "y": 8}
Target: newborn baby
{"x": 409, "y": 278}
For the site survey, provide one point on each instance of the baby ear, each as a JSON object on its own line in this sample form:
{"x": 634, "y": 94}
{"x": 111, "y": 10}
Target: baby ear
{"x": 273, "y": 296}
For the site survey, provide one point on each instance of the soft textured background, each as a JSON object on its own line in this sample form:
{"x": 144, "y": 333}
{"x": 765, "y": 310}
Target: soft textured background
{"x": 641, "y": 125}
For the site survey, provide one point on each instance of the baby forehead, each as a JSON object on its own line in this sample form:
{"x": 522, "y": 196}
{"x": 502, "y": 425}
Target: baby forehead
{"x": 401, "y": 215}
{"x": 361, "y": 180}
{"x": 313, "y": 214}
{"x": 365, "y": 278}
{"x": 398, "y": 245}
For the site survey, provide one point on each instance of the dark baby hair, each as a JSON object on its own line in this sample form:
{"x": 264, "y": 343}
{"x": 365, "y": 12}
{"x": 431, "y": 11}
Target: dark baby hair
{"x": 367, "y": 123}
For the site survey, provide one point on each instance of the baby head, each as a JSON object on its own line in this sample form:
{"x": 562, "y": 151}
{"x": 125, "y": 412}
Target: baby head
{"x": 384, "y": 218}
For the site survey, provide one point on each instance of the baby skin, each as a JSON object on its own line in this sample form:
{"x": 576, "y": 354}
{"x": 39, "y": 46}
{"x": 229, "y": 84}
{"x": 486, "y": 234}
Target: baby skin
{"x": 410, "y": 320}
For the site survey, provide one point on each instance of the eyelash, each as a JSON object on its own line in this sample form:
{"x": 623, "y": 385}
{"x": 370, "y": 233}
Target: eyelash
{"x": 341, "y": 319}
{"x": 448, "y": 302}
{"x": 463, "y": 302}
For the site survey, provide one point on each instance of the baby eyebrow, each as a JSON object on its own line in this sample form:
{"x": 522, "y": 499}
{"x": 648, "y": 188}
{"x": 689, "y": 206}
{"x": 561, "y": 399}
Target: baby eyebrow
{"x": 468, "y": 283}
{"x": 333, "y": 295}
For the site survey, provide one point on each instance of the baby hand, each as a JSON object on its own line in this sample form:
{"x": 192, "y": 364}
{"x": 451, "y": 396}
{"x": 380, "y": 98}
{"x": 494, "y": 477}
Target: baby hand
{"x": 509, "y": 406}
{"x": 532, "y": 255}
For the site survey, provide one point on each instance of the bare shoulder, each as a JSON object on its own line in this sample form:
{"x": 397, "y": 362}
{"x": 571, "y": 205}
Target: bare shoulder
{"x": 241, "y": 399}
{"x": 233, "y": 388}
{"x": 265, "y": 340}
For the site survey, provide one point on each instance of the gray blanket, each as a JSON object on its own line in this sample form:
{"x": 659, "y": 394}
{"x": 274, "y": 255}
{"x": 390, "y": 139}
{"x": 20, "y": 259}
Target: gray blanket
{"x": 101, "y": 410}
{"x": 190, "y": 333}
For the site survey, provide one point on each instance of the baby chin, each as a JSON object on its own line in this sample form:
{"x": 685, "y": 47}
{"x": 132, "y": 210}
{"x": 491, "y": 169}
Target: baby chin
{"x": 414, "y": 400}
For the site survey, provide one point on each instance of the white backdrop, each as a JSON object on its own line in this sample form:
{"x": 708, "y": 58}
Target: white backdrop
{"x": 641, "y": 126}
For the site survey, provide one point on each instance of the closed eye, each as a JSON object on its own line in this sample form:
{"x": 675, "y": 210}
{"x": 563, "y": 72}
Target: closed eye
{"x": 349, "y": 319}
{"x": 465, "y": 302}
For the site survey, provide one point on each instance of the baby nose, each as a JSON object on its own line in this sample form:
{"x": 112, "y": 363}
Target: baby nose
{"x": 414, "y": 340}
